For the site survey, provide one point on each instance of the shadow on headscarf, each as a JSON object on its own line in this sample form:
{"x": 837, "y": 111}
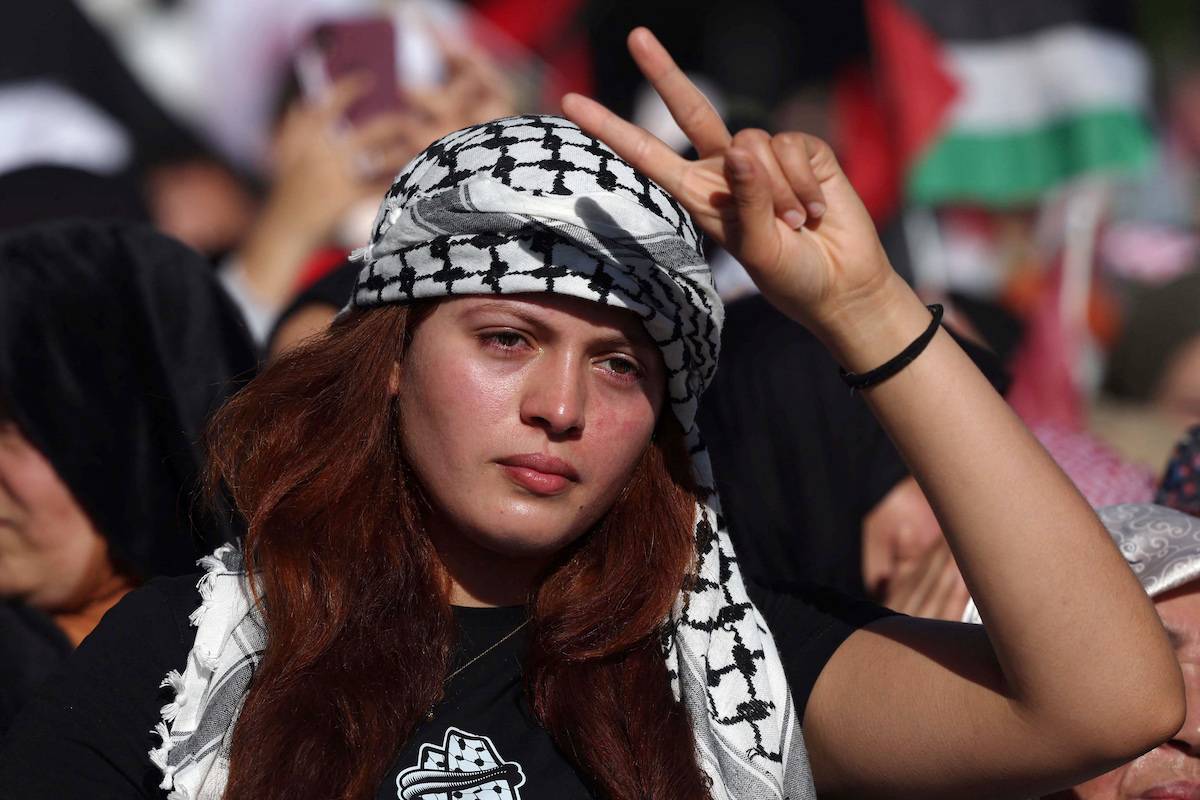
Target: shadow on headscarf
{"x": 116, "y": 343}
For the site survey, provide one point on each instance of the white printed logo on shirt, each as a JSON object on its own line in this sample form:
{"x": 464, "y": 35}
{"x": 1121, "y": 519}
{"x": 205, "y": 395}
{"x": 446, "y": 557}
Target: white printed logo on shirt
{"x": 464, "y": 767}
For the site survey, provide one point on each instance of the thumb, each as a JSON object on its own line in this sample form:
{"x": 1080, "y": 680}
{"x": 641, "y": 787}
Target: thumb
{"x": 755, "y": 239}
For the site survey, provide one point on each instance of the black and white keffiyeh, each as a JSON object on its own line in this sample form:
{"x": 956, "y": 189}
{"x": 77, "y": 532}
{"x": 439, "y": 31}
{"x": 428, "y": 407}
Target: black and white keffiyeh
{"x": 533, "y": 204}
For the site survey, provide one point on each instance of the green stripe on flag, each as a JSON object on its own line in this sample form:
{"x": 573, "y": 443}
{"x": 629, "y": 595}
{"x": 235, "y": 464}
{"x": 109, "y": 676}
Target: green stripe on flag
{"x": 1015, "y": 167}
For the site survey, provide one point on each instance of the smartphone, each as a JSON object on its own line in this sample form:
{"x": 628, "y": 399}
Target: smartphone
{"x": 344, "y": 47}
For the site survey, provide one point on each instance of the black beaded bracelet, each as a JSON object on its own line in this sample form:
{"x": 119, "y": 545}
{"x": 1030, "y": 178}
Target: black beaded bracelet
{"x": 902, "y": 360}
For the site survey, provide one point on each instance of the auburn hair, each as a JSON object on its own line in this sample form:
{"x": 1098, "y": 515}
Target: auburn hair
{"x": 359, "y": 628}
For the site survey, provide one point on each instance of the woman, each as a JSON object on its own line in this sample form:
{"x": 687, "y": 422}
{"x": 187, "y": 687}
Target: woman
{"x": 493, "y": 439}
{"x": 115, "y": 345}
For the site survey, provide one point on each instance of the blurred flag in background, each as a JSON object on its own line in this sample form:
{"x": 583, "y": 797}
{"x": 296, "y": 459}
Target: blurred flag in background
{"x": 992, "y": 103}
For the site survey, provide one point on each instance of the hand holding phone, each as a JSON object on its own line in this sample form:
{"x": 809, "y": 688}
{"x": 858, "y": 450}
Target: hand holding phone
{"x": 356, "y": 47}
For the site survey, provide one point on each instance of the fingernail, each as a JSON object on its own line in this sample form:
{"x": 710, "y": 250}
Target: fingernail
{"x": 816, "y": 209}
{"x": 793, "y": 218}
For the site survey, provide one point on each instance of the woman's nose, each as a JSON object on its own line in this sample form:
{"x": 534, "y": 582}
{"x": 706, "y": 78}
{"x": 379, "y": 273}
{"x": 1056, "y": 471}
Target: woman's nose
{"x": 555, "y": 395}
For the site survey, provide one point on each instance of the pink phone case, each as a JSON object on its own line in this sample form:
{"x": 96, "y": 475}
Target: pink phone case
{"x": 358, "y": 46}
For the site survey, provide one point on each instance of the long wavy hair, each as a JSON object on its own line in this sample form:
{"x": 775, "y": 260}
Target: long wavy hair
{"x": 359, "y": 628}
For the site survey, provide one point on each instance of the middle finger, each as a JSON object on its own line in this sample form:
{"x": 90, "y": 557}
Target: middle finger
{"x": 787, "y": 205}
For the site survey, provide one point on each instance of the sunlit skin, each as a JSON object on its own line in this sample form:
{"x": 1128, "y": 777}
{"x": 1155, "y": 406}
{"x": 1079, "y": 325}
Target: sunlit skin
{"x": 1170, "y": 771}
{"x": 51, "y": 555}
{"x": 1040, "y": 679}
{"x": 491, "y": 384}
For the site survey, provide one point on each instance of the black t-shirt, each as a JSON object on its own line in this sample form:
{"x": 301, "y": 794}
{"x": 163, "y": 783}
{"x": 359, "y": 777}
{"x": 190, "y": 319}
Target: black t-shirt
{"x": 87, "y": 731}
{"x": 798, "y": 459}
{"x": 31, "y": 647}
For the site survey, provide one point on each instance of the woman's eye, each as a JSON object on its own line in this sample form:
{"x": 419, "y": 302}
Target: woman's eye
{"x": 622, "y": 366}
{"x": 504, "y": 340}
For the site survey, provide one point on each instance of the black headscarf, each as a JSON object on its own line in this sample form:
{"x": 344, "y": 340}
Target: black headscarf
{"x": 116, "y": 343}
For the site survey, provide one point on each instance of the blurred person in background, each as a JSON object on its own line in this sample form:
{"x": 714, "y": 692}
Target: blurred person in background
{"x": 79, "y": 135}
{"x": 1179, "y": 487}
{"x": 328, "y": 174}
{"x": 115, "y": 345}
{"x": 1156, "y": 359}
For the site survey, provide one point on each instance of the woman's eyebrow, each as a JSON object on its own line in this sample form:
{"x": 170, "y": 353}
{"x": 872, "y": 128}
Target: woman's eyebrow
{"x": 501, "y": 307}
{"x": 620, "y": 341}
{"x": 608, "y": 338}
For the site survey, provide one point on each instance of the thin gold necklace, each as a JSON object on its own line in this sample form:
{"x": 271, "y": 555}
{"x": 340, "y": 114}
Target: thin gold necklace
{"x": 497, "y": 643}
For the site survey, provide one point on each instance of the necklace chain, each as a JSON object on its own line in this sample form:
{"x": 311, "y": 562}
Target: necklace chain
{"x": 497, "y": 643}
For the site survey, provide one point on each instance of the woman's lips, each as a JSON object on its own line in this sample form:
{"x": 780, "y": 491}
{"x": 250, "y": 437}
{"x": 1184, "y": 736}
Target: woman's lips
{"x": 1176, "y": 790}
{"x": 539, "y": 474}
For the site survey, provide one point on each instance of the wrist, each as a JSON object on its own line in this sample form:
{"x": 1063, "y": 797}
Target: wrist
{"x": 273, "y": 255}
{"x": 868, "y": 330}
{"x": 296, "y": 218}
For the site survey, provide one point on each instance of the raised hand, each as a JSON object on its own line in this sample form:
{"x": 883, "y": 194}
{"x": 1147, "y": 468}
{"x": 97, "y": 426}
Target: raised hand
{"x": 779, "y": 204}
{"x": 476, "y": 90}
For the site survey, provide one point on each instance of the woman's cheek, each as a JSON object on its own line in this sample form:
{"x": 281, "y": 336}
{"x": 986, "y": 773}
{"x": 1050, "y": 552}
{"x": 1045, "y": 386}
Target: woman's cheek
{"x": 467, "y": 393}
{"x": 620, "y": 435}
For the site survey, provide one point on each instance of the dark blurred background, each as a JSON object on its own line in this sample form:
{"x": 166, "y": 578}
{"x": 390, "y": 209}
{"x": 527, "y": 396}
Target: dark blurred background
{"x": 1033, "y": 165}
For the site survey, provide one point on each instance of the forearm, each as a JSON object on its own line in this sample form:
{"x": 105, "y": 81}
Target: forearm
{"x": 1076, "y": 637}
{"x": 275, "y": 252}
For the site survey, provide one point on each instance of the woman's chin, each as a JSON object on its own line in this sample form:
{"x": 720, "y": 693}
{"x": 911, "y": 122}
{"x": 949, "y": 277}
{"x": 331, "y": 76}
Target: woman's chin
{"x": 524, "y": 543}
{"x": 524, "y": 534}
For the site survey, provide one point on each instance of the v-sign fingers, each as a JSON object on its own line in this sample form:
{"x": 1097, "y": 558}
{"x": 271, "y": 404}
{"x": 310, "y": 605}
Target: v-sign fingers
{"x": 647, "y": 153}
{"x": 695, "y": 116}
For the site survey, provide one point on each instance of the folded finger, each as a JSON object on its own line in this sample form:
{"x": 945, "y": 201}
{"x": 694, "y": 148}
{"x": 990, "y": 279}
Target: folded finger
{"x": 787, "y": 205}
{"x": 695, "y": 115}
{"x": 432, "y": 104}
{"x": 756, "y": 240}
{"x": 463, "y": 91}
{"x": 792, "y": 152}
{"x": 380, "y": 131}
{"x": 385, "y": 162}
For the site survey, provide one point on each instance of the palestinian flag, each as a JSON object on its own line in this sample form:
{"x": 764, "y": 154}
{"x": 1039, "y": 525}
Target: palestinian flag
{"x": 993, "y": 103}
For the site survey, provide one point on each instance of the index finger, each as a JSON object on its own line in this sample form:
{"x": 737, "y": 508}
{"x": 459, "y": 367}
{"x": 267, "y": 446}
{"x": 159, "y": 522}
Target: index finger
{"x": 645, "y": 152}
{"x": 695, "y": 116}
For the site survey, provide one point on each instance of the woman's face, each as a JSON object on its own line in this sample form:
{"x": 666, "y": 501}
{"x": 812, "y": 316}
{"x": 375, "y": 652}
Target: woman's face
{"x": 524, "y": 415}
{"x": 50, "y": 552}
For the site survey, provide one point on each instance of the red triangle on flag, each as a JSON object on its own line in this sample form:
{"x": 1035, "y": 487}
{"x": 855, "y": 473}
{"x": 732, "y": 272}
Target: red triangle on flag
{"x": 886, "y": 120}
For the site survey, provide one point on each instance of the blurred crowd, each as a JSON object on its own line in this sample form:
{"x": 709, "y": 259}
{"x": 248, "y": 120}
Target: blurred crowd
{"x": 1033, "y": 166}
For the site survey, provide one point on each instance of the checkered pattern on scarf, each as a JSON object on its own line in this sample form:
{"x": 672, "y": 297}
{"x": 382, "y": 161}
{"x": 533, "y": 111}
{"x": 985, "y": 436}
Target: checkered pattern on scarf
{"x": 533, "y": 204}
